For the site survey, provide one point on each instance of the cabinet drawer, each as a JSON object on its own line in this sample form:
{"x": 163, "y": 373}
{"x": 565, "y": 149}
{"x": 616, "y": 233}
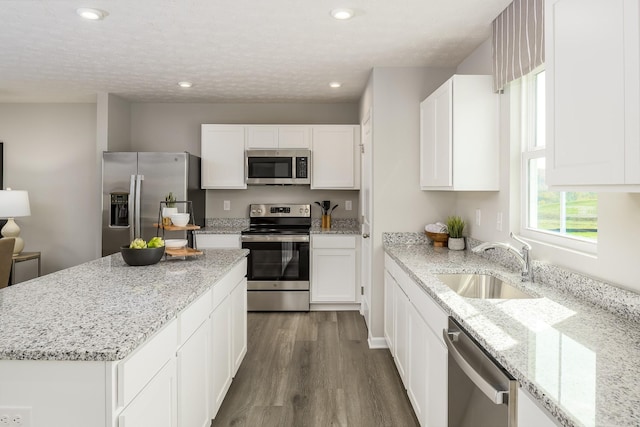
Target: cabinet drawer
{"x": 334, "y": 242}
{"x": 137, "y": 369}
{"x": 194, "y": 315}
{"x": 224, "y": 287}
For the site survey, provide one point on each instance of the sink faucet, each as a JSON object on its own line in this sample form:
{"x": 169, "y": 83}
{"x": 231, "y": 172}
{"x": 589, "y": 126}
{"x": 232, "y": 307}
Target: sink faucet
{"x": 522, "y": 256}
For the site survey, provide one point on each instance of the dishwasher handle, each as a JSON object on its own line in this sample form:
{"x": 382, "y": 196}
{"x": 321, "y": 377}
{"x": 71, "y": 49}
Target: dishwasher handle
{"x": 496, "y": 396}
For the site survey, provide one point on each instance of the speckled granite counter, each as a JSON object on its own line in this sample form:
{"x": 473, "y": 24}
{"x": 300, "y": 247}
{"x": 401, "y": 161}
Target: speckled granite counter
{"x": 224, "y": 226}
{"x": 338, "y": 226}
{"x": 580, "y": 361}
{"x": 103, "y": 309}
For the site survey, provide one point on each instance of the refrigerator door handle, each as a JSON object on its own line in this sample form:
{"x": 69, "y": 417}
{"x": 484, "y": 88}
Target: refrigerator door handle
{"x": 132, "y": 209}
{"x": 138, "y": 207}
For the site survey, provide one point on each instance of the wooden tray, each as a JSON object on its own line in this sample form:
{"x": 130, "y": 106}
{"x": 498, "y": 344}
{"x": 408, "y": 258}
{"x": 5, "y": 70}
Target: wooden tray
{"x": 182, "y": 252}
{"x": 177, "y": 228}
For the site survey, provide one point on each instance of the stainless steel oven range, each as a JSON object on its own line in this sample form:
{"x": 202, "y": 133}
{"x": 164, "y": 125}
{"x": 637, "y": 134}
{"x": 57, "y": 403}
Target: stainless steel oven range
{"x": 278, "y": 262}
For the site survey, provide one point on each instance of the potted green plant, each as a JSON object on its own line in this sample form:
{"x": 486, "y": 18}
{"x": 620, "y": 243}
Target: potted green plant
{"x": 170, "y": 206}
{"x": 455, "y": 225}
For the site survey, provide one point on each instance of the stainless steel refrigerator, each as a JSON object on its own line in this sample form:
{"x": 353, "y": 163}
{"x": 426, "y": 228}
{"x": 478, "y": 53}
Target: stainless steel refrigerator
{"x": 134, "y": 184}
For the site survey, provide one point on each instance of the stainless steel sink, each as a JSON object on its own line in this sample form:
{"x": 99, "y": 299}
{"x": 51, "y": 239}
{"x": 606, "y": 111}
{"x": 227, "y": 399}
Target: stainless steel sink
{"x": 481, "y": 286}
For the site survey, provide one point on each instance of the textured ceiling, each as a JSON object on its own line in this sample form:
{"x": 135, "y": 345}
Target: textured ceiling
{"x": 232, "y": 50}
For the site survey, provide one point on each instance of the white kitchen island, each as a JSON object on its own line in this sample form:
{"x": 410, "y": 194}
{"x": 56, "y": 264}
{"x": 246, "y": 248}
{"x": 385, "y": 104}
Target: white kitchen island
{"x": 106, "y": 344}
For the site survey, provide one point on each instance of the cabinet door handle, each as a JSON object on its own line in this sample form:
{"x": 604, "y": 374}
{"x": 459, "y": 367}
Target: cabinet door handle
{"x": 365, "y": 236}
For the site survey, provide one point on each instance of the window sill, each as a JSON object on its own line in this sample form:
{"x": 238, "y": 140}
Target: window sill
{"x": 561, "y": 243}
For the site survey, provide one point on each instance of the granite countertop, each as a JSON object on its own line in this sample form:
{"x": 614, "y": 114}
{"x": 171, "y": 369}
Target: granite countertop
{"x": 219, "y": 229}
{"x": 338, "y": 226}
{"x": 335, "y": 230}
{"x": 236, "y": 225}
{"x": 103, "y": 309}
{"x": 579, "y": 360}
{"x": 224, "y": 226}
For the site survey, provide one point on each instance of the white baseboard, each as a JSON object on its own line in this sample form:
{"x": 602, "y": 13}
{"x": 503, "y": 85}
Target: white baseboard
{"x": 334, "y": 307}
{"x": 377, "y": 342}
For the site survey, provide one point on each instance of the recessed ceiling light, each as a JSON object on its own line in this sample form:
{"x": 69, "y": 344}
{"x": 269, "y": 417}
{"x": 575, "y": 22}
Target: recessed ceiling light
{"x": 92, "y": 14}
{"x": 335, "y": 85}
{"x": 342, "y": 13}
{"x": 185, "y": 84}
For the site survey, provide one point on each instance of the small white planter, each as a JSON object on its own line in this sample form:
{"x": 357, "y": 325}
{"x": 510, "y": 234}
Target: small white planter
{"x": 456, "y": 243}
{"x": 167, "y": 212}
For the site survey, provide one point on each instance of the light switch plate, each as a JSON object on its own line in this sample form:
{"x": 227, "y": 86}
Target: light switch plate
{"x": 227, "y": 205}
{"x": 478, "y": 216}
{"x": 347, "y": 205}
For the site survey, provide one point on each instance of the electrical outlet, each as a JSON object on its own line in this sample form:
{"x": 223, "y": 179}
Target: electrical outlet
{"x": 15, "y": 417}
{"x": 347, "y": 205}
{"x": 478, "y": 216}
{"x": 227, "y": 205}
{"x": 499, "y": 221}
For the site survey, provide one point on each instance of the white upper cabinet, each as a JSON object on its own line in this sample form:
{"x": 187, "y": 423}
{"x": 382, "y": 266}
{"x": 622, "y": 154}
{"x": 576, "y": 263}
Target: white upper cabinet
{"x": 222, "y": 154}
{"x": 459, "y": 136}
{"x": 593, "y": 94}
{"x": 276, "y": 137}
{"x": 262, "y": 137}
{"x": 294, "y": 137}
{"x": 335, "y": 157}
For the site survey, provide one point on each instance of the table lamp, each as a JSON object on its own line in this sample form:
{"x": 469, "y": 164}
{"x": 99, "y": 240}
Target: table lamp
{"x": 13, "y": 204}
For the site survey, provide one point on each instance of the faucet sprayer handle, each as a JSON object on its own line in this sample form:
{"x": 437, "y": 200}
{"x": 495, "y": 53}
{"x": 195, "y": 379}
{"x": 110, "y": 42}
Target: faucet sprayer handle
{"x": 525, "y": 245}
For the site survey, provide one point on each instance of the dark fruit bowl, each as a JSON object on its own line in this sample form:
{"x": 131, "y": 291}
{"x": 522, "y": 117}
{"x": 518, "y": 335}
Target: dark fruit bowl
{"x": 137, "y": 257}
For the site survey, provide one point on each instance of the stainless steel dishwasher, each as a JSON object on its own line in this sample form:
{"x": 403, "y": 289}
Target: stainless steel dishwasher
{"x": 481, "y": 393}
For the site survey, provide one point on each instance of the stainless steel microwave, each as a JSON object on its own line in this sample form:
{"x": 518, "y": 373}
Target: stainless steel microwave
{"x": 273, "y": 167}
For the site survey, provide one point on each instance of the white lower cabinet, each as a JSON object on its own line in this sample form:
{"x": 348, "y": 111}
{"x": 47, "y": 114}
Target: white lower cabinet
{"x": 418, "y": 377}
{"x": 334, "y": 267}
{"x": 155, "y": 405}
{"x": 220, "y": 354}
{"x": 412, "y": 322}
{"x": 389, "y": 296}
{"x": 401, "y": 332}
{"x": 238, "y": 325}
{"x": 437, "y": 376}
{"x": 193, "y": 379}
{"x": 530, "y": 414}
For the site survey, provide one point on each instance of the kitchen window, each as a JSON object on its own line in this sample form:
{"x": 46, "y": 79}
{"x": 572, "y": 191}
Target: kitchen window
{"x": 567, "y": 219}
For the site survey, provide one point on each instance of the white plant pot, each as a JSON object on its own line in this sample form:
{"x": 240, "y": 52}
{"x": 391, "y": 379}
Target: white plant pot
{"x": 167, "y": 212}
{"x": 456, "y": 243}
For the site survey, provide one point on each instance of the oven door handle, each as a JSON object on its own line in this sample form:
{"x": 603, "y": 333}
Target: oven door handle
{"x": 496, "y": 396}
{"x": 273, "y": 238}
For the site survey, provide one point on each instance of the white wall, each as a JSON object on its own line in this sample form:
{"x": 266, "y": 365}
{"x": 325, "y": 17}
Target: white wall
{"x": 618, "y": 226}
{"x": 394, "y": 96}
{"x": 119, "y": 124}
{"x": 240, "y": 200}
{"x": 50, "y": 151}
{"x": 176, "y": 127}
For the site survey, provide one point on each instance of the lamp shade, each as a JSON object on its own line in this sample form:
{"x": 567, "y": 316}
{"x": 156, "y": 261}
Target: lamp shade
{"x": 14, "y": 203}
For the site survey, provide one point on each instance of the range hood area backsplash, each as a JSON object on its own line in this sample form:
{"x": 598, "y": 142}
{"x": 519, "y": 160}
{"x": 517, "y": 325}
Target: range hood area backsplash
{"x": 297, "y": 194}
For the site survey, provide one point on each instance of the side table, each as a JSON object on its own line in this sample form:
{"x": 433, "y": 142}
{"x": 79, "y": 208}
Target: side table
{"x": 23, "y": 256}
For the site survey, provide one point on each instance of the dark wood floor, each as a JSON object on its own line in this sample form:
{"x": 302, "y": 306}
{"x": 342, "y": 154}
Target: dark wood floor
{"x": 314, "y": 369}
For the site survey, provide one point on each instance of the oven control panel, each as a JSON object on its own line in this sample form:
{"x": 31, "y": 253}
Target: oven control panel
{"x": 279, "y": 210}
